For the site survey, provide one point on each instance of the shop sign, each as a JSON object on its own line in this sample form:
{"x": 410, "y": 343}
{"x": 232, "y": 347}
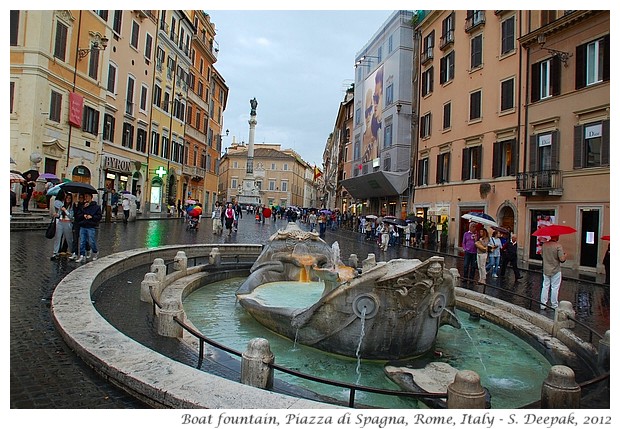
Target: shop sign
{"x": 116, "y": 163}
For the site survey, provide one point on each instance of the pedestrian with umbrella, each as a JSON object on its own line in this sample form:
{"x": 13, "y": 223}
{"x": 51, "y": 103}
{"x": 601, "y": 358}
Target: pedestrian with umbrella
{"x": 553, "y": 256}
{"x": 88, "y": 219}
{"x": 510, "y": 257}
{"x": 27, "y": 190}
{"x": 469, "y": 247}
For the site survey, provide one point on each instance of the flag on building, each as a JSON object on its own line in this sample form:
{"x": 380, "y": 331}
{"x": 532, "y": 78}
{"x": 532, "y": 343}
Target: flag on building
{"x": 317, "y": 173}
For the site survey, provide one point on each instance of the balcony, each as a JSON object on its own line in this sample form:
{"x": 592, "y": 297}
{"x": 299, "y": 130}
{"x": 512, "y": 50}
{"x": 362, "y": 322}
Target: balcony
{"x": 427, "y": 55}
{"x": 475, "y": 20}
{"x": 446, "y": 40}
{"x": 545, "y": 182}
{"x": 196, "y": 173}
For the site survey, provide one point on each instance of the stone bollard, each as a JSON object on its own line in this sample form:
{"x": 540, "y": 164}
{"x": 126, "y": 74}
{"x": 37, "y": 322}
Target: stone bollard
{"x": 604, "y": 352}
{"x": 466, "y": 391}
{"x": 561, "y": 318}
{"x": 180, "y": 261}
{"x": 159, "y": 268}
{"x": 255, "y": 370}
{"x": 166, "y": 326}
{"x": 369, "y": 262}
{"x": 150, "y": 279}
{"x": 353, "y": 260}
{"x": 215, "y": 257}
{"x": 559, "y": 390}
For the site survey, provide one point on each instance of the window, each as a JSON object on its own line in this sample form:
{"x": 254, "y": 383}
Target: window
{"x": 111, "y": 78}
{"x": 508, "y": 35}
{"x": 60, "y": 42}
{"x": 14, "y": 27}
{"x": 129, "y": 98}
{"x": 387, "y": 163}
{"x": 475, "y": 105}
{"x": 144, "y": 98}
{"x": 148, "y": 47}
{"x": 545, "y": 79}
{"x": 472, "y": 157}
{"x": 423, "y": 171}
{"x": 358, "y": 116}
{"x": 446, "y": 68}
{"x": 93, "y": 63}
{"x": 233, "y": 183}
{"x": 90, "y": 121}
{"x": 390, "y": 44}
{"x": 12, "y": 94}
{"x": 155, "y": 143}
{"x": 55, "y": 106}
{"x": 505, "y": 158}
{"x": 135, "y": 34}
{"x": 284, "y": 186}
{"x": 165, "y": 147}
{"x": 443, "y": 168}
{"x": 591, "y": 145}
{"x": 474, "y": 18}
{"x": 197, "y": 120}
{"x": 447, "y": 31}
{"x": 447, "y": 115}
{"x": 544, "y": 152}
{"x": 507, "y": 101}
{"x": 357, "y": 148}
{"x": 157, "y": 95}
{"x": 108, "y": 127}
{"x": 592, "y": 62}
{"x": 425, "y": 125}
{"x": 387, "y": 135}
{"x": 166, "y": 102}
{"x": 189, "y": 115}
{"x": 427, "y": 50}
{"x": 117, "y": 21}
{"x": 476, "y": 51}
{"x": 379, "y": 54}
{"x": 141, "y": 140}
{"x": 389, "y": 94}
{"x": 103, "y": 14}
{"x": 285, "y": 167}
{"x": 273, "y": 166}
{"x": 127, "y": 140}
{"x": 546, "y": 16}
{"x": 235, "y": 164}
{"x": 427, "y": 82}
{"x": 272, "y": 185}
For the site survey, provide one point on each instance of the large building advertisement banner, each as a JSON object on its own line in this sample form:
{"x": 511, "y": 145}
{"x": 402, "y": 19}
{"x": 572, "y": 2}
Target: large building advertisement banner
{"x": 372, "y": 109}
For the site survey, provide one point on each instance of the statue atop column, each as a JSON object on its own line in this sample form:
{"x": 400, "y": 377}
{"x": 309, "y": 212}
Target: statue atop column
{"x": 253, "y": 104}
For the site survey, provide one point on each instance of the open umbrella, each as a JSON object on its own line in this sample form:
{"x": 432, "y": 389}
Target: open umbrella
{"x": 48, "y": 176}
{"x": 17, "y": 178}
{"x": 553, "y": 230}
{"x": 125, "y": 192}
{"x": 605, "y": 237}
{"x": 325, "y": 211}
{"x": 394, "y": 221}
{"x": 414, "y": 218}
{"x": 190, "y": 201}
{"x": 501, "y": 229}
{"x": 34, "y": 174}
{"x": 371, "y": 216}
{"x": 267, "y": 212}
{"x": 77, "y": 187}
{"x": 481, "y": 218}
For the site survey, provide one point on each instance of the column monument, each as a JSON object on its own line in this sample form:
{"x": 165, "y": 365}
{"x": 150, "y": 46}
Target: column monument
{"x": 249, "y": 193}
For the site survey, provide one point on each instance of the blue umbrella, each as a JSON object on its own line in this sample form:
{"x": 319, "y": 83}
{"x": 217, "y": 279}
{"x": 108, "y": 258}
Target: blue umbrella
{"x": 54, "y": 190}
{"x": 481, "y": 218}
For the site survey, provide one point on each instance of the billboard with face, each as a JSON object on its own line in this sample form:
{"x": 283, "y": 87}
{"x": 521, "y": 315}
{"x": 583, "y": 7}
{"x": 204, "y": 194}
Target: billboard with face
{"x": 373, "y": 107}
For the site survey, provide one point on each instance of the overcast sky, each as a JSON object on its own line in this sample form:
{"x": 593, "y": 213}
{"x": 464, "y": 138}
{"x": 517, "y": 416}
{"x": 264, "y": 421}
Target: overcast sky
{"x": 297, "y": 64}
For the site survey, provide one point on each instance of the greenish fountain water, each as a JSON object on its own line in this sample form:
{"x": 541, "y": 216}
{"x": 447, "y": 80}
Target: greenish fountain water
{"x": 509, "y": 368}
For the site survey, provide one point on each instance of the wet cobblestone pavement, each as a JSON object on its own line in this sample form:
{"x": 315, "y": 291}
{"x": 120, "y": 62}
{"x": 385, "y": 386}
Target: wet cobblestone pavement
{"x": 44, "y": 372}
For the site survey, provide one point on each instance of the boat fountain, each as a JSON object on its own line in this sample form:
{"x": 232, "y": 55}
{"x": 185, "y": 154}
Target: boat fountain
{"x": 399, "y": 305}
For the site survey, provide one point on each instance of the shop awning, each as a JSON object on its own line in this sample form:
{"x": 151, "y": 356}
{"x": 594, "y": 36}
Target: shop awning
{"x": 377, "y": 184}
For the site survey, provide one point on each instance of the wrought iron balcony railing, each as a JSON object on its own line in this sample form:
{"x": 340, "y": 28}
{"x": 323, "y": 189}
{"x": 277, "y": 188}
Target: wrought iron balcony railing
{"x": 540, "y": 182}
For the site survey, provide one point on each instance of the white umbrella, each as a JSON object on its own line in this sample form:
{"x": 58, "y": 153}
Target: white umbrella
{"x": 370, "y": 217}
{"x": 481, "y": 218}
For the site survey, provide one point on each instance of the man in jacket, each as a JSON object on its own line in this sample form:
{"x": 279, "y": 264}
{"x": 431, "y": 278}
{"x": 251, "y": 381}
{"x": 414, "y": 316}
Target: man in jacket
{"x": 88, "y": 218}
{"x": 509, "y": 256}
{"x": 553, "y": 255}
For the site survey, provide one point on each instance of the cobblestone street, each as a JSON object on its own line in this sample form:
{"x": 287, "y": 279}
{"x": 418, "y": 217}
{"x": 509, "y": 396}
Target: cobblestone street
{"x": 44, "y": 372}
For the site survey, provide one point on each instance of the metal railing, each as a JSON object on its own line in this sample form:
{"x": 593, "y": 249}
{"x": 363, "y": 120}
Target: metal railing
{"x": 544, "y": 180}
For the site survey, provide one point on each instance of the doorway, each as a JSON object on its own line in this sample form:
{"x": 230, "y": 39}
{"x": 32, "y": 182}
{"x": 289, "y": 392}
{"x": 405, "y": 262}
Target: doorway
{"x": 588, "y": 239}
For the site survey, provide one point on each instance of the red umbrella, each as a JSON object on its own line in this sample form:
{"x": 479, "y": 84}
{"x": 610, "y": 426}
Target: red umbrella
{"x": 267, "y": 212}
{"x": 553, "y": 230}
{"x": 605, "y": 237}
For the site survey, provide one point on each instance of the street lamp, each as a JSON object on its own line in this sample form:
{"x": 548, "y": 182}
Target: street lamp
{"x": 99, "y": 43}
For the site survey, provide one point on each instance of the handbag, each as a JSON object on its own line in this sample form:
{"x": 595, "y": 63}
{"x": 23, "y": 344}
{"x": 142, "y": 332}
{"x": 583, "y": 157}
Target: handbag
{"x": 50, "y": 232}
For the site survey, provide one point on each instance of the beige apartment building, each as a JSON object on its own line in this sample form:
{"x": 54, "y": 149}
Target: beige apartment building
{"x": 514, "y": 122}
{"x": 281, "y": 176}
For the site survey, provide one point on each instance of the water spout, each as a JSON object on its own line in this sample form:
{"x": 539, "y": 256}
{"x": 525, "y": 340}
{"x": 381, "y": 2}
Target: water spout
{"x": 359, "y": 346}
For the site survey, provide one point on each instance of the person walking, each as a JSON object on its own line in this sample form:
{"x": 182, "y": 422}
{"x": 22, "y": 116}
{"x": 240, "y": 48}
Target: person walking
{"x": 469, "y": 247}
{"x": 481, "y": 254}
{"x": 88, "y": 219}
{"x": 552, "y": 255}
{"x": 229, "y": 217}
{"x": 78, "y": 203}
{"x": 509, "y": 256}
{"x": 27, "y": 190}
{"x": 312, "y": 221}
{"x": 114, "y": 202}
{"x": 493, "y": 259}
{"x": 217, "y": 218}
{"x": 63, "y": 212}
{"x": 125, "y": 204}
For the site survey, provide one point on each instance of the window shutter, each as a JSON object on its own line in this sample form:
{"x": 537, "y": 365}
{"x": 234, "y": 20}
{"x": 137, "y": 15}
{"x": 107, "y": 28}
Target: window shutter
{"x": 466, "y": 163}
{"x": 580, "y": 67}
{"x": 442, "y": 70}
{"x": 578, "y": 147}
{"x": 450, "y": 70}
{"x": 496, "y": 159}
{"x": 424, "y": 78}
{"x": 438, "y": 172}
{"x": 514, "y": 152}
{"x": 606, "y": 57}
{"x": 555, "y": 150}
{"x": 533, "y": 152}
{"x": 431, "y": 77}
{"x": 535, "y": 94}
{"x": 605, "y": 145}
{"x": 478, "y": 157}
{"x": 556, "y": 68}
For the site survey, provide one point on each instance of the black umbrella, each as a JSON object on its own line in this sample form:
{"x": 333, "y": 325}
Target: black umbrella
{"x": 78, "y": 187}
{"x": 414, "y": 218}
{"x": 34, "y": 175}
{"x": 395, "y": 221}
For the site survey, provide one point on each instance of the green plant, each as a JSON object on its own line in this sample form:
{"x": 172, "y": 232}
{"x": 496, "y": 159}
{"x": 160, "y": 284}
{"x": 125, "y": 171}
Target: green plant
{"x": 444, "y": 228}
{"x": 39, "y": 197}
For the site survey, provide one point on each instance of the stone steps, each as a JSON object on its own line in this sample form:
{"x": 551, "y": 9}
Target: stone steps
{"x": 36, "y": 219}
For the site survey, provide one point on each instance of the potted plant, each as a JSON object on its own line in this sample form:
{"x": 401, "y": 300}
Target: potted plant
{"x": 39, "y": 199}
{"x": 444, "y": 235}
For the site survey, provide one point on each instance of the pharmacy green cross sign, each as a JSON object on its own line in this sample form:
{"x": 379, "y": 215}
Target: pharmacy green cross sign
{"x": 161, "y": 171}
